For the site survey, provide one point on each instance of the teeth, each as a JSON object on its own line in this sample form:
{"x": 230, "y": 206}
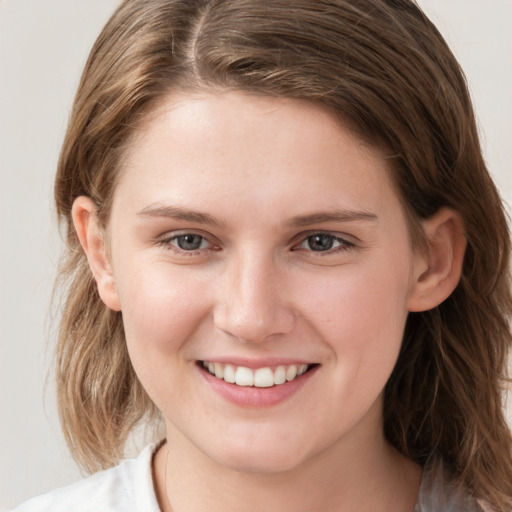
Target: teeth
{"x": 244, "y": 376}
{"x": 302, "y": 369}
{"x": 263, "y": 378}
{"x": 260, "y": 378}
{"x": 219, "y": 371}
{"x": 291, "y": 372}
{"x": 229, "y": 374}
{"x": 280, "y": 375}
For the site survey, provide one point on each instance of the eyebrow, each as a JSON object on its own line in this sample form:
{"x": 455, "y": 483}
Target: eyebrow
{"x": 331, "y": 216}
{"x": 176, "y": 212}
{"x": 179, "y": 213}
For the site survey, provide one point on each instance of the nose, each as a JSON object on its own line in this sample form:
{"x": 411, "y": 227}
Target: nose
{"x": 252, "y": 305}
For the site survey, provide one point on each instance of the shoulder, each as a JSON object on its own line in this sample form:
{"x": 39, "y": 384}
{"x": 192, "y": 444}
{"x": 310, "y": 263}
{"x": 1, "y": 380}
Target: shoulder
{"x": 128, "y": 486}
{"x": 438, "y": 493}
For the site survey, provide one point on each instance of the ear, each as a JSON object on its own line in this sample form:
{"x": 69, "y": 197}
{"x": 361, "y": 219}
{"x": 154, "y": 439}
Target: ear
{"x": 92, "y": 239}
{"x": 437, "y": 270}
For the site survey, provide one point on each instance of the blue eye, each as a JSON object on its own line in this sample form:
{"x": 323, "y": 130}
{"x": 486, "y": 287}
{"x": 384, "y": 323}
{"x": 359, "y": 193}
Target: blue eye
{"x": 189, "y": 242}
{"x": 323, "y": 242}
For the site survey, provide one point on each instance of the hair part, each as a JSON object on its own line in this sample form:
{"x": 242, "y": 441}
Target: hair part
{"x": 383, "y": 69}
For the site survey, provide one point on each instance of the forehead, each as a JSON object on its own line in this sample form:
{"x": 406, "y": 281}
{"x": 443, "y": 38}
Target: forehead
{"x": 257, "y": 150}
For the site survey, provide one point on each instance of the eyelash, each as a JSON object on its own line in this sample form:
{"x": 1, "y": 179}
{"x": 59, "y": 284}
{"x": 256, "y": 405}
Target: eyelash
{"x": 343, "y": 244}
{"x": 168, "y": 243}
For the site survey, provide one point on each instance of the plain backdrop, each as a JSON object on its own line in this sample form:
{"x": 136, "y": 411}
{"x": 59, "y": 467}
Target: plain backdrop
{"x": 43, "y": 46}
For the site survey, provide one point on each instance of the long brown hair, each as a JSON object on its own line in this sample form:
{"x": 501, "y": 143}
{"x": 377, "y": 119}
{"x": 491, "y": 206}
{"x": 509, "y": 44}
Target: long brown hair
{"x": 384, "y": 69}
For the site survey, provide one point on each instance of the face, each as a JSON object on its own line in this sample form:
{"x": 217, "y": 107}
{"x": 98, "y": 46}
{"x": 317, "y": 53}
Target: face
{"x": 257, "y": 239}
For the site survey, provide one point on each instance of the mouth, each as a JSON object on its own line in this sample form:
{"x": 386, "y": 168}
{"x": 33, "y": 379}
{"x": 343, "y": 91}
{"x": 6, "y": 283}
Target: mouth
{"x": 264, "y": 377}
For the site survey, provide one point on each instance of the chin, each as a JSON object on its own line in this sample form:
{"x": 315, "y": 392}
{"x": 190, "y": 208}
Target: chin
{"x": 259, "y": 458}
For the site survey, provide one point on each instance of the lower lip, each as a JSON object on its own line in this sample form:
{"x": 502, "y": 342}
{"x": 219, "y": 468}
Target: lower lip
{"x": 250, "y": 396}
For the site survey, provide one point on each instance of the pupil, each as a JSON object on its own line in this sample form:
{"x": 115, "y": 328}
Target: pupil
{"x": 189, "y": 242}
{"x": 320, "y": 242}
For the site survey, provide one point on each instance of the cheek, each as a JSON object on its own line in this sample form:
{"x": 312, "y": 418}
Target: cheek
{"x": 161, "y": 314}
{"x": 361, "y": 317}
{"x": 360, "y": 298}
{"x": 160, "y": 308}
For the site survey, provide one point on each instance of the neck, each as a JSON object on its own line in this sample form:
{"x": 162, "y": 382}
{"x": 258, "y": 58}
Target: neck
{"x": 368, "y": 475}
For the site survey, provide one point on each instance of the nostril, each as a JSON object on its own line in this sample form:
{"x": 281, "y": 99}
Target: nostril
{"x": 250, "y": 327}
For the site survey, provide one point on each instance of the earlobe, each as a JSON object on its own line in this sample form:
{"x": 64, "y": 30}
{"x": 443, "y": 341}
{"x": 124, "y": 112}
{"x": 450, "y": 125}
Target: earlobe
{"x": 438, "y": 270}
{"x": 92, "y": 239}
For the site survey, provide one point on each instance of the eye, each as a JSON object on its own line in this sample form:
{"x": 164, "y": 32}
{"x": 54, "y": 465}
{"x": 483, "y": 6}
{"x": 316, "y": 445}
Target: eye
{"x": 324, "y": 242}
{"x": 189, "y": 242}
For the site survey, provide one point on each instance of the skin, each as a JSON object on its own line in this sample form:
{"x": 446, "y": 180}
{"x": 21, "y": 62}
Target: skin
{"x": 268, "y": 174}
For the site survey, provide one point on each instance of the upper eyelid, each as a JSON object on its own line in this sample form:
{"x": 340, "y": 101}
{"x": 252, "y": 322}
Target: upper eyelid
{"x": 171, "y": 235}
{"x": 345, "y": 237}
{"x": 343, "y": 245}
{"x": 297, "y": 239}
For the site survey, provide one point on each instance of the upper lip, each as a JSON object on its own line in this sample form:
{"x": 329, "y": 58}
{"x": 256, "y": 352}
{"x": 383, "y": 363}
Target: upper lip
{"x": 257, "y": 363}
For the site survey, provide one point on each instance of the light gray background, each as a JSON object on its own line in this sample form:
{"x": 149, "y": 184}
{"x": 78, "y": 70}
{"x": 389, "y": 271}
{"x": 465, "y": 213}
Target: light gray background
{"x": 43, "y": 46}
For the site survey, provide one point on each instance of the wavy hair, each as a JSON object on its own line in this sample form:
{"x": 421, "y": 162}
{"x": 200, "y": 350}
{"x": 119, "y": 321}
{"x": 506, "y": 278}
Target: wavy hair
{"x": 381, "y": 67}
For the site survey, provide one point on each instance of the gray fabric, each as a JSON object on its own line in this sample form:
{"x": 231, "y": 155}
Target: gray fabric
{"x": 437, "y": 494}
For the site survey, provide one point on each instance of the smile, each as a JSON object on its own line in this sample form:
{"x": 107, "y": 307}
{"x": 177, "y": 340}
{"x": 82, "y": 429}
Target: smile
{"x": 265, "y": 377}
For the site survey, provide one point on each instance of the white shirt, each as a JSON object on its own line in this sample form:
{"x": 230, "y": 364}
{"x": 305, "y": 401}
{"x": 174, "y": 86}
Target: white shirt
{"x": 129, "y": 487}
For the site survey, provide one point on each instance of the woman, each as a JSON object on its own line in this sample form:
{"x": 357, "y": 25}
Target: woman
{"x": 284, "y": 242}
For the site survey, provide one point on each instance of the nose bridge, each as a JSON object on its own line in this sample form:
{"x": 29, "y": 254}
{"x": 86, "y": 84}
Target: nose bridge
{"x": 251, "y": 304}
